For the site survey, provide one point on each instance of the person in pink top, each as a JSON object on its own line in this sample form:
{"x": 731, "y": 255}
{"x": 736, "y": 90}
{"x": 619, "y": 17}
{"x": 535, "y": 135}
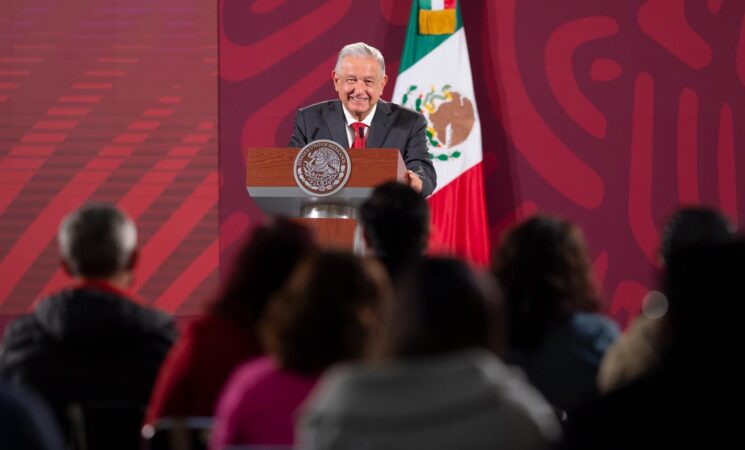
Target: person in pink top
{"x": 322, "y": 316}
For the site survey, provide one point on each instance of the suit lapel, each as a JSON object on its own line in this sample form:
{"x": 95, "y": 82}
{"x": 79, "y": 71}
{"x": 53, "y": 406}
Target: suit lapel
{"x": 380, "y": 125}
{"x": 337, "y": 124}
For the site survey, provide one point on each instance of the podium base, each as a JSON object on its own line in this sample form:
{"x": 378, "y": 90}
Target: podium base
{"x": 328, "y": 211}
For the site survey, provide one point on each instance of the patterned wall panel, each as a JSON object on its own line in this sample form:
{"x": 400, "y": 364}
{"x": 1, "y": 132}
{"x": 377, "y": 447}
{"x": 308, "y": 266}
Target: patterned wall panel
{"x": 109, "y": 101}
{"x": 614, "y": 114}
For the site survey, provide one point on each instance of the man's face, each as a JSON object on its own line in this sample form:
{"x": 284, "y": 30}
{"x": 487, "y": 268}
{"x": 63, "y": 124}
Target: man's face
{"x": 359, "y": 84}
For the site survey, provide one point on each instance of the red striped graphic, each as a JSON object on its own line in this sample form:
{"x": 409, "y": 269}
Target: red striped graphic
{"x": 190, "y": 279}
{"x": 76, "y": 112}
{"x": 55, "y": 124}
{"x": 11, "y": 184}
{"x": 175, "y": 229}
{"x": 137, "y": 200}
{"x": 44, "y": 227}
{"x": 32, "y": 150}
{"x": 14, "y": 73}
{"x": 43, "y": 138}
{"x": 104, "y": 73}
{"x": 80, "y": 99}
{"x": 93, "y": 86}
{"x": 158, "y": 112}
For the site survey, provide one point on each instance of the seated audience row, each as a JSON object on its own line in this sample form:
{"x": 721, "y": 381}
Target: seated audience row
{"x": 323, "y": 349}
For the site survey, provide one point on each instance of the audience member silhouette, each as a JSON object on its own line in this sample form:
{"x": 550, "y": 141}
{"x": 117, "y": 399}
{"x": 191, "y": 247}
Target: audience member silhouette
{"x": 434, "y": 380}
{"x": 321, "y": 317}
{"x": 691, "y": 399}
{"x": 214, "y": 344}
{"x": 555, "y": 332}
{"x": 26, "y": 423}
{"x": 92, "y": 345}
{"x": 638, "y": 349}
{"x": 395, "y": 221}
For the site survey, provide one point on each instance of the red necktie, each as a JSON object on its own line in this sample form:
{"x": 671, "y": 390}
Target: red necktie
{"x": 359, "y": 135}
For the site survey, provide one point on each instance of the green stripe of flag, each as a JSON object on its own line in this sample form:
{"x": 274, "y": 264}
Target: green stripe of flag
{"x": 417, "y": 46}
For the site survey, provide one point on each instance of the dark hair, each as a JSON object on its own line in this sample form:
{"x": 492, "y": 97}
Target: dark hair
{"x": 544, "y": 270}
{"x": 261, "y": 267}
{"x": 694, "y": 225}
{"x": 317, "y": 319}
{"x": 396, "y": 223}
{"x": 97, "y": 241}
{"x": 441, "y": 306}
{"x": 703, "y": 283}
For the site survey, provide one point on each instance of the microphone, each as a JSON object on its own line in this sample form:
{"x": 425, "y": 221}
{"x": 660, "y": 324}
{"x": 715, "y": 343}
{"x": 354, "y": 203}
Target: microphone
{"x": 361, "y": 131}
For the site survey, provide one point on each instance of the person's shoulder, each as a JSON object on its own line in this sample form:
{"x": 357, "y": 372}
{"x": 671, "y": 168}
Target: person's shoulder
{"x": 255, "y": 371}
{"x": 338, "y": 389}
{"x": 254, "y": 377}
{"x": 151, "y": 321}
{"x": 21, "y": 331}
{"x": 320, "y": 106}
{"x": 595, "y": 326}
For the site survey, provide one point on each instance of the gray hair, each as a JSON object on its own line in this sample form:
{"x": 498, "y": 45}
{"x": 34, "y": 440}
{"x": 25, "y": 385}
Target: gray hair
{"x": 360, "y": 50}
{"x": 97, "y": 241}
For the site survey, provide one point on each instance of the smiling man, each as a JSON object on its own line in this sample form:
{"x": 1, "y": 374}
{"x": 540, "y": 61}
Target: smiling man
{"x": 360, "y": 119}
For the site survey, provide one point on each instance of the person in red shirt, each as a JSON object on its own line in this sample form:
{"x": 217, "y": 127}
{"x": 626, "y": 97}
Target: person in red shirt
{"x": 195, "y": 370}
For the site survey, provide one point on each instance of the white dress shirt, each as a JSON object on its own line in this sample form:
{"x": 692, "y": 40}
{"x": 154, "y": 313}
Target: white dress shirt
{"x": 350, "y": 120}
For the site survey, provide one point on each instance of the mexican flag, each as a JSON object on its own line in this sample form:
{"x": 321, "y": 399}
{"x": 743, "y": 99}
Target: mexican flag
{"x": 435, "y": 79}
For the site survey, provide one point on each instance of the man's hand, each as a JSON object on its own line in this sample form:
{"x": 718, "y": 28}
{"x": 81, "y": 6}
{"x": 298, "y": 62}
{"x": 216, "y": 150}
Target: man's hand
{"x": 414, "y": 181}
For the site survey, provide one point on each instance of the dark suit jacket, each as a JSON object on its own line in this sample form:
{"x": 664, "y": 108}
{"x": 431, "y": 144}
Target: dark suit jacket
{"x": 393, "y": 126}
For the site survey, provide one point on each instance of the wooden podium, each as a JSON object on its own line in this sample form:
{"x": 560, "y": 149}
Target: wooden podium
{"x": 271, "y": 183}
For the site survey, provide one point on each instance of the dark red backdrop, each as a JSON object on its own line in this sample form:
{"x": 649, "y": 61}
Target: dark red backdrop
{"x": 609, "y": 113}
{"x": 114, "y": 101}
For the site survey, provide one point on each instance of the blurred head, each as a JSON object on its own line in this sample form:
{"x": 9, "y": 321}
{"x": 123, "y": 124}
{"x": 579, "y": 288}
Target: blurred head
{"x": 261, "y": 268}
{"x": 694, "y": 225}
{"x": 359, "y": 78}
{"x": 395, "y": 220}
{"x": 97, "y": 241}
{"x": 544, "y": 269}
{"x": 706, "y": 293}
{"x": 440, "y": 307}
{"x": 326, "y": 311}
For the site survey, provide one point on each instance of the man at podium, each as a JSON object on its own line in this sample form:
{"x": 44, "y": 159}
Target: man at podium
{"x": 360, "y": 119}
